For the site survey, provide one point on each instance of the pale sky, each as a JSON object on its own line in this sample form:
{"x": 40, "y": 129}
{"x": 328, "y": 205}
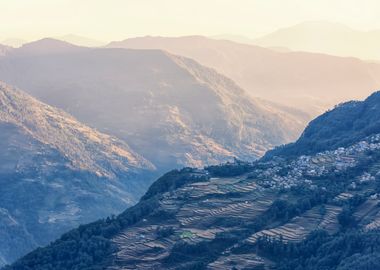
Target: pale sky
{"x": 118, "y": 19}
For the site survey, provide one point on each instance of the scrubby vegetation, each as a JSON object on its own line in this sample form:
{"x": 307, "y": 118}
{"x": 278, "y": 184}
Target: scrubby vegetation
{"x": 347, "y": 123}
{"x": 87, "y": 247}
{"x": 229, "y": 169}
{"x": 350, "y": 250}
{"x": 173, "y": 180}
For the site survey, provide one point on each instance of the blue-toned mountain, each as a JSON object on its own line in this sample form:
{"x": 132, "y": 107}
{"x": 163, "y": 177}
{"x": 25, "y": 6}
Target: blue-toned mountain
{"x": 56, "y": 173}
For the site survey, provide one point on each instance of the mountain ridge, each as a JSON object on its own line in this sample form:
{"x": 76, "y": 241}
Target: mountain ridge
{"x": 176, "y": 107}
{"x": 347, "y": 122}
{"x": 325, "y": 37}
{"x": 36, "y": 118}
{"x": 57, "y": 173}
{"x": 317, "y": 211}
{"x": 273, "y": 75}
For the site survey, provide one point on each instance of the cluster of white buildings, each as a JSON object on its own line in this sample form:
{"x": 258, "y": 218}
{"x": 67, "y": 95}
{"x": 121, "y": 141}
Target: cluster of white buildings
{"x": 305, "y": 168}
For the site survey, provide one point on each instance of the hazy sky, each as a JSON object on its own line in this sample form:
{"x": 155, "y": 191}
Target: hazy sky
{"x": 119, "y": 19}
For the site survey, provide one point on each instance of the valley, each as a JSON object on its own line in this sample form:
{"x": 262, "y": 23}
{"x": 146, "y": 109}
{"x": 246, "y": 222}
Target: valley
{"x": 57, "y": 173}
{"x": 189, "y": 135}
{"x": 240, "y": 215}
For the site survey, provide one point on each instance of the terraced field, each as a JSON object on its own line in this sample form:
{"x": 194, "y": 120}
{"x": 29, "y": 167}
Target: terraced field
{"x": 368, "y": 214}
{"x": 200, "y": 212}
{"x": 140, "y": 248}
{"x": 196, "y": 210}
{"x": 301, "y": 226}
{"x": 323, "y": 207}
{"x": 195, "y": 219}
{"x": 242, "y": 261}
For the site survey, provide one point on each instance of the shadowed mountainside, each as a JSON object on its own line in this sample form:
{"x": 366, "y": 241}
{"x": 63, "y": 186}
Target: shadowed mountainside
{"x": 347, "y": 123}
{"x": 56, "y": 173}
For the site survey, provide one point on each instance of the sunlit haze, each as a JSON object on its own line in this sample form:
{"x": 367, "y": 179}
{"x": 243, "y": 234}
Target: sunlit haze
{"x": 118, "y": 19}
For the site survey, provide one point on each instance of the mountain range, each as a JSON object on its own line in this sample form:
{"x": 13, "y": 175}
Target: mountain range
{"x": 108, "y": 120}
{"x": 57, "y": 173}
{"x": 325, "y": 37}
{"x": 71, "y": 38}
{"x": 311, "y": 82}
{"x": 309, "y": 210}
{"x": 170, "y": 109}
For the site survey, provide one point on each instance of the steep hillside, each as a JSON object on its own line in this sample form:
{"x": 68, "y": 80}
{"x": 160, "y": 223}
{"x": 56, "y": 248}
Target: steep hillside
{"x": 325, "y": 37}
{"x": 308, "y": 81}
{"x": 56, "y": 173}
{"x": 47, "y": 46}
{"x": 347, "y": 123}
{"x": 171, "y": 110}
{"x": 309, "y": 212}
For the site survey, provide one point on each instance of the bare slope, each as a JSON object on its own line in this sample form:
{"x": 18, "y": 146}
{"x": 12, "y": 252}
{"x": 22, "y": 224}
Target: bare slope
{"x": 172, "y": 110}
{"x": 308, "y": 81}
{"x": 56, "y": 173}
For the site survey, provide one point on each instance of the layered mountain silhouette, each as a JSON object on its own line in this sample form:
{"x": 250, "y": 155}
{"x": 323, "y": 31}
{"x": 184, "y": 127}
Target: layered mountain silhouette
{"x": 325, "y": 37}
{"x": 312, "y": 210}
{"x": 308, "y": 81}
{"x": 170, "y": 109}
{"x": 57, "y": 173}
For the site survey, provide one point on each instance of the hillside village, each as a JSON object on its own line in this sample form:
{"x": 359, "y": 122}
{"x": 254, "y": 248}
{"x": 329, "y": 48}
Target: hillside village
{"x": 190, "y": 135}
{"x": 235, "y": 214}
{"x": 305, "y": 168}
{"x": 212, "y": 207}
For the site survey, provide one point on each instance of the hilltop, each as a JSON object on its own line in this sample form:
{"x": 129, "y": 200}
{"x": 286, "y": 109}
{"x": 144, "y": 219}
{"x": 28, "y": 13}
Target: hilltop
{"x": 325, "y": 37}
{"x": 345, "y": 124}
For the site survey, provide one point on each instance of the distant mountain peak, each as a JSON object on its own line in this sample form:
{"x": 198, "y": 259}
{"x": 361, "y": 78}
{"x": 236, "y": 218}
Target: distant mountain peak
{"x": 47, "y": 46}
{"x": 283, "y": 76}
{"x": 323, "y": 24}
{"x": 325, "y": 37}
